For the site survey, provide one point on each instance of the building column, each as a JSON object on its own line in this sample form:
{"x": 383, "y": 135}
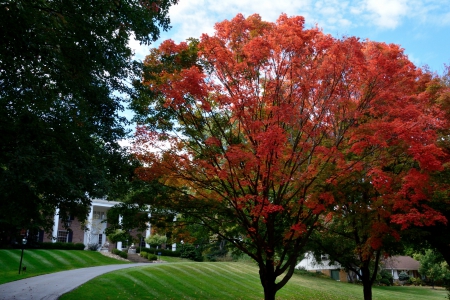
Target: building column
{"x": 174, "y": 245}
{"x": 148, "y": 231}
{"x": 55, "y": 226}
{"x": 119, "y": 244}
{"x": 88, "y": 232}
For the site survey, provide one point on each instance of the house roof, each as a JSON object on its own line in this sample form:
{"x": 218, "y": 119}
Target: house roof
{"x": 401, "y": 263}
{"x": 103, "y": 203}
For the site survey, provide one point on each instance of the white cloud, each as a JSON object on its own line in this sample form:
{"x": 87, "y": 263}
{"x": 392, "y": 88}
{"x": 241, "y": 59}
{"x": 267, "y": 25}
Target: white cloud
{"x": 387, "y": 13}
{"x": 140, "y": 51}
{"x": 191, "y": 18}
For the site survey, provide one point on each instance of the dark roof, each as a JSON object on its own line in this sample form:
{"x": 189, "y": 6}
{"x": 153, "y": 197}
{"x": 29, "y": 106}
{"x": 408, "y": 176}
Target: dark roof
{"x": 401, "y": 263}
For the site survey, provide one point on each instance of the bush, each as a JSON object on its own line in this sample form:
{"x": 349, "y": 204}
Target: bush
{"x": 403, "y": 276}
{"x": 415, "y": 281}
{"x": 385, "y": 278}
{"x": 164, "y": 252}
{"x": 304, "y": 272}
{"x": 191, "y": 252}
{"x": 152, "y": 256}
{"x": 60, "y": 246}
{"x": 93, "y": 246}
{"x": 120, "y": 253}
{"x": 216, "y": 254}
{"x": 144, "y": 254}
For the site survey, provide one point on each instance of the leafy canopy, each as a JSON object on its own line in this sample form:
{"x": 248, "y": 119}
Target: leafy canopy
{"x": 64, "y": 67}
{"x": 252, "y": 125}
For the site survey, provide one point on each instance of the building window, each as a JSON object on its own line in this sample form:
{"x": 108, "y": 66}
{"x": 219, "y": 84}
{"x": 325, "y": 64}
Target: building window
{"x": 99, "y": 215}
{"x": 62, "y": 236}
{"x": 100, "y": 239}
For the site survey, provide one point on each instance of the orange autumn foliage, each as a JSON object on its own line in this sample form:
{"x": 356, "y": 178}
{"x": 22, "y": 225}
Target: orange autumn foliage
{"x": 255, "y": 121}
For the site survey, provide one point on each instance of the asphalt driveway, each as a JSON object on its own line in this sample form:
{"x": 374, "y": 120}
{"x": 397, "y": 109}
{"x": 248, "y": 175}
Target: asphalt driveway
{"x": 52, "y": 286}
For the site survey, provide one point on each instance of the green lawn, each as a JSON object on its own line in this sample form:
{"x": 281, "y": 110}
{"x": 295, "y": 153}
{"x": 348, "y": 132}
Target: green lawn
{"x": 227, "y": 280}
{"x": 40, "y": 262}
{"x": 183, "y": 279}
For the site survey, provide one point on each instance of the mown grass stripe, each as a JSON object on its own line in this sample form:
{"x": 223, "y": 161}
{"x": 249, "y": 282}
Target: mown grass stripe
{"x": 143, "y": 284}
{"x": 66, "y": 255}
{"x": 11, "y": 253}
{"x": 242, "y": 282}
{"x": 40, "y": 258}
{"x": 15, "y": 257}
{"x": 40, "y": 261}
{"x": 195, "y": 281}
{"x": 191, "y": 281}
{"x": 56, "y": 254}
{"x": 221, "y": 269}
{"x": 218, "y": 287}
{"x": 239, "y": 268}
{"x": 182, "y": 283}
{"x": 76, "y": 257}
{"x": 156, "y": 281}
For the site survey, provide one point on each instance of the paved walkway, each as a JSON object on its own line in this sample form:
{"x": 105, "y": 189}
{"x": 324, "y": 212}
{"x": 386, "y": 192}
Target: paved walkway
{"x": 52, "y": 286}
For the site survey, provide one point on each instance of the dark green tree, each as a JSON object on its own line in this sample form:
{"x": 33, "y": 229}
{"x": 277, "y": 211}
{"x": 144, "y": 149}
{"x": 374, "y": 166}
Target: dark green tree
{"x": 433, "y": 266}
{"x": 65, "y": 68}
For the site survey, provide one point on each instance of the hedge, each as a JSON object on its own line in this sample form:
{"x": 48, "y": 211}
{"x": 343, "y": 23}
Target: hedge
{"x": 120, "y": 253}
{"x": 164, "y": 252}
{"x": 59, "y": 246}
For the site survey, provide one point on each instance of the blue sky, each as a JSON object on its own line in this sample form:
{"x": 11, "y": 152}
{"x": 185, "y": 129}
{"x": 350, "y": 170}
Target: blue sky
{"x": 421, "y": 27}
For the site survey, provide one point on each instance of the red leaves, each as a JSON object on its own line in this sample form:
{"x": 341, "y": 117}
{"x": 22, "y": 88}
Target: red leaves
{"x": 299, "y": 228}
{"x": 271, "y": 208}
{"x": 169, "y": 47}
{"x": 415, "y": 217}
{"x": 269, "y": 114}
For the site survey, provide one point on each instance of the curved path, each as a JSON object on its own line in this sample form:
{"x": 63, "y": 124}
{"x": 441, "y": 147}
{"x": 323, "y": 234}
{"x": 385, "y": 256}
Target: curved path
{"x": 52, "y": 286}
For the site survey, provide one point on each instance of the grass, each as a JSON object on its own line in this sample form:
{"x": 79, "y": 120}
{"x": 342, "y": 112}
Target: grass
{"x": 40, "y": 262}
{"x": 174, "y": 259}
{"x": 227, "y": 280}
{"x": 183, "y": 279}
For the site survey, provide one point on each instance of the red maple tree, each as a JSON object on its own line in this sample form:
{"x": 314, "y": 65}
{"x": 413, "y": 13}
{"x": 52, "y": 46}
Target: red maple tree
{"x": 252, "y": 123}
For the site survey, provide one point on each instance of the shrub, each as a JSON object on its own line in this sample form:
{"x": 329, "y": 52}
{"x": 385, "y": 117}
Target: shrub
{"x": 120, "y": 253}
{"x": 144, "y": 254}
{"x": 191, "y": 252}
{"x": 403, "y": 276}
{"x": 78, "y": 246}
{"x": 60, "y": 246}
{"x": 93, "y": 246}
{"x": 171, "y": 253}
{"x": 385, "y": 278}
{"x": 152, "y": 257}
{"x": 304, "y": 272}
{"x": 415, "y": 281}
{"x": 164, "y": 252}
{"x": 216, "y": 254}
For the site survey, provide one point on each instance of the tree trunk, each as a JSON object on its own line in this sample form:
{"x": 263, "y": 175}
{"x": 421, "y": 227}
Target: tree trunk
{"x": 269, "y": 291}
{"x": 267, "y": 277}
{"x": 367, "y": 284}
{"x": 367, "y": 290}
